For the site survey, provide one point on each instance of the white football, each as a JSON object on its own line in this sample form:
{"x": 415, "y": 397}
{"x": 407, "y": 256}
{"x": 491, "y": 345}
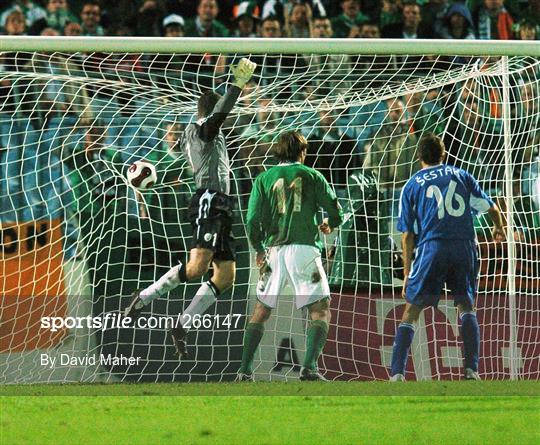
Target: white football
{"x": 142, "y": 175}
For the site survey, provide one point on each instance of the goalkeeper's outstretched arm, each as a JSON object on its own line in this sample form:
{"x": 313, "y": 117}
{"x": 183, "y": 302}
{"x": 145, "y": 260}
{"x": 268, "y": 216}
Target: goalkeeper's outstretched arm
{"x": 210, "y": 126}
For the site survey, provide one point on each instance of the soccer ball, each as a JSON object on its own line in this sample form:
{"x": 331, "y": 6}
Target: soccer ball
{"x": 142, "y": 175}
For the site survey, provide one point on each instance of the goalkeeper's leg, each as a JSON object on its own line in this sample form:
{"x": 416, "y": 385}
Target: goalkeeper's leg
{"x": 224, "y": 272}
{"x": 196, "y": 267}
{"x": 252, "y": 338}
{"x": 222, "y": 279}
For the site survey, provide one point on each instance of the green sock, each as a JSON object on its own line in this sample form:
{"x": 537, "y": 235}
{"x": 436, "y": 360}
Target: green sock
{"x": 316, "y": 338}
{"x": 252, "y": 338}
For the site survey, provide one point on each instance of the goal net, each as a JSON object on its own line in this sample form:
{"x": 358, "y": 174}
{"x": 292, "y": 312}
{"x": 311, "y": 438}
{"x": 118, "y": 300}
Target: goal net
{"x": 77, "y": 240}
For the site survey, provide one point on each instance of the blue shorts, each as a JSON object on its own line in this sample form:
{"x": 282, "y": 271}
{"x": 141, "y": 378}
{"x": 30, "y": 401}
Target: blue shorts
{"x": 454, "y": 262}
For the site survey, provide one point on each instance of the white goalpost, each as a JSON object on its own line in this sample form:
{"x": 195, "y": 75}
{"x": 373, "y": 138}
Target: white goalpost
{"x": 77, "y": 240}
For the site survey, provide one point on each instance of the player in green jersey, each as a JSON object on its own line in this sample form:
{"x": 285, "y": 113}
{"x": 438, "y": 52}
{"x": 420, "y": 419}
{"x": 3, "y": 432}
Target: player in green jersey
{"x": 282, "y": 228}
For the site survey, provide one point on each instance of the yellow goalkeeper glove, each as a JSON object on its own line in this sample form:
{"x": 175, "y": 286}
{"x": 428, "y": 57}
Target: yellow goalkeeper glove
{"x": 243, "y": 72}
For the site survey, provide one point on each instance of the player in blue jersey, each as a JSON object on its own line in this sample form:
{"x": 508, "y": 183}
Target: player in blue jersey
{"x": 436, "y": 212}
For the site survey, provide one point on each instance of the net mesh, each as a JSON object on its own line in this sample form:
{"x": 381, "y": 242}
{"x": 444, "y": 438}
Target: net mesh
{"x": 77, "y": 240}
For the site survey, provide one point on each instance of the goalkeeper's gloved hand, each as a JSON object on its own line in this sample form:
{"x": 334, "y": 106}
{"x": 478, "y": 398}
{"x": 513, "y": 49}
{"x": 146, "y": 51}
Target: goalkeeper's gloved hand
{"x": 243, "y": 72}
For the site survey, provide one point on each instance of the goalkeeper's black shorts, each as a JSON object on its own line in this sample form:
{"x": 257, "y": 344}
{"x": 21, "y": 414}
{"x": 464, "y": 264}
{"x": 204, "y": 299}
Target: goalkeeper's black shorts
{"x": 210, "y": 214}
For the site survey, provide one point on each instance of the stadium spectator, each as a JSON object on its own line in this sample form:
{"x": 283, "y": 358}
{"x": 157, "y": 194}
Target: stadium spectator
{"x": 346, "y": 24}
{"x": 270, "y": 65}
{"x": 147, "y": 19}
{"x": 91, "y": 18}
{"x": 425, "y": 112}
{"x": 434, "y": 13}
{"x": 493, "y": 21}
{"x": 532, "y": 13}
{"x": 514, "y": 7}
{"x": 114, "y": 14}
{"x": 63, "y": 98}
{"x": 466, "y": 126}
{"x": 369, "y": 30}
{"x": 253, "y": 144}
{"x": 174, "y": 172}
{"x": 391, "y": 150}
{"x": 298, "y": 21}
{"x": 245, "y": 125}
{"x": 207, "y": 68}
{"x": 410, "y": 27}
{"x": 270, "y": 27}
{"x": 173, "y": 132}
{"x": 390, "y": 13}
{"x": 526, "y": 30}
{"x": 267, "y": 124}
{"x": 366, "y": 63}
{"x": 32, "y": 12}
{"x": 58, "y": 15}
{"x": 525, "y": 214}
{"x": 458, "y": 23}
{"x": 331, "y": 151}
{"x": 50, "y": 32}
{"x": 524, "y": 122}
{"x": 275, "y": 67}
{"x": 95, "y": 183}
{"x": 205, "y": 24}
{"x": 321, "y": 28}
{"x": 476, "y": 121}
{"x": 15, "y": 23}
{"x": 73, "y": 29}
{"x": 226, "y": 12}
{"x": 120, "y": 30}
{"x": 173, "y": 26}
{"x": 245, "y": 19}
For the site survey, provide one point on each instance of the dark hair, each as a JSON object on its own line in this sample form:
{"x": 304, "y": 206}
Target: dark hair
{"x": 206, "y": 103}
{"x": 289, "y": 146}
{"x": 271, "y": 18}
{"x": 431, "y": 149}
{"x": 370, "y": 23}
{"x": 409, "y": 3}
{"x": 526, "y": 22}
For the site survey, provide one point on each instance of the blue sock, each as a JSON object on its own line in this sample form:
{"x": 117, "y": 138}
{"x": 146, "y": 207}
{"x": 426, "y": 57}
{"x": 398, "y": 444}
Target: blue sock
{"x": 470, "y": 332}
{"x": 402, "y": 344}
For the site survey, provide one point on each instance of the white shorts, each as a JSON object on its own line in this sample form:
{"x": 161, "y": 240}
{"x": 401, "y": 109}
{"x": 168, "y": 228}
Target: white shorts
{"x": 301, "y": 267}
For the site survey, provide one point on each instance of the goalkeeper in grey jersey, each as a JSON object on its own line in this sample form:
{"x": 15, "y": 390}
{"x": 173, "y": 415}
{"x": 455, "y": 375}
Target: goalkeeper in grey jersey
{"x": 210, "y": 210}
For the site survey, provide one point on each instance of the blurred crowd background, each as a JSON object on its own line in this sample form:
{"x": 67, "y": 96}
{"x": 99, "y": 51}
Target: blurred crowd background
{"x": 481, "y": 19}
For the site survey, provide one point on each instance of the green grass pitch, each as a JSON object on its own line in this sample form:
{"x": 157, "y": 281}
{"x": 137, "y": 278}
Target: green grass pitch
{"x": 273, "y": 413}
